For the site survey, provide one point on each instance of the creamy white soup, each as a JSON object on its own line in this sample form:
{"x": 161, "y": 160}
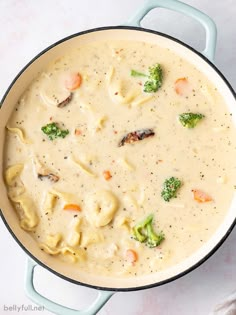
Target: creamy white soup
{"x": 120, "y": 158}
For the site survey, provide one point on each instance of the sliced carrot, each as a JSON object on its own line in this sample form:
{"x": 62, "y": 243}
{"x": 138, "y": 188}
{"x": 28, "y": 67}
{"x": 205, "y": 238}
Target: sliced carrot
{"x": 201, "y": 196}
{"x": 78, "y": 132}
{"x": 107, "y": 175}
{"x": 181, "y": 86}
{"x": 72, "y": 206}
{"x": 73, "y": 81}
{"x": 131, "y": 255}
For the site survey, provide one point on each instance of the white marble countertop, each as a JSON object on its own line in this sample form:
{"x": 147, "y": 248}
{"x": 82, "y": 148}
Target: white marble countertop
{"x": 27, "y": 27}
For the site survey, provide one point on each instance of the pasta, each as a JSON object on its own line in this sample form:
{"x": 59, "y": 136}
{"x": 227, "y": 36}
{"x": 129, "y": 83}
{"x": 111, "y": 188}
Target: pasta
{"x": 74, "y": 255}
{"x": 130, "y": 201}
{"x": 75, "y": 235}
{"x": 27, "y": 212}
{"x": 12, "y": 173}
{"x": 52, "y": 247}
{"x": 110, "y": 74}
{"x": 102, "y": 207}
{"x": 126, "y": 164}
{"x": 20, "y": 134}
{"x": 47, "y": 100}
{"x": 51, "y": 92}
{"x": 50, "y": 202}
{"x": 68, "y": 252}
{"x": 100, "y": 123}
{"x": 117, "y": 90}
{"x": 118, "y": 95}
{"x": 67, "y": 197}
{"x": 16, "y": 190}
{"x": 91, "y": 236}
{"x": 47, "y": 249}
{"x": 123, "y": 222}
{"x": 53, "y": 240}
{"x": 142, "y": 100}
{"x": 83, "y": 167}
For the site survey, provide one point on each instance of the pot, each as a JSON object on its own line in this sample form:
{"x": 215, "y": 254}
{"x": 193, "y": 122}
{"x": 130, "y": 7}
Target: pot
{"x": 131, "y": 31}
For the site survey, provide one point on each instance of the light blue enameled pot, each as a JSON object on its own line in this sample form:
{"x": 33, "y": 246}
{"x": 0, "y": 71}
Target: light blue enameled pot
{"x": 132, "y": 28}
{"x": 209, "y": 52}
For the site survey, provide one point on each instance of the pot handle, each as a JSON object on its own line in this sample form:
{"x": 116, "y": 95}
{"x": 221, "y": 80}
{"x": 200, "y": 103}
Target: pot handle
{"x": 102, "y": 298}
{"x": 175, "y": 5}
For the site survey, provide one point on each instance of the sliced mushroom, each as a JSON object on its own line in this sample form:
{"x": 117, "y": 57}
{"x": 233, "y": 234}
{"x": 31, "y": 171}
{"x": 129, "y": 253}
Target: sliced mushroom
{"x": 65, "y": 102}
{"x": 52, "y": 177}
{"x": 44, "y": 172}
{"x": 136, "y": 136}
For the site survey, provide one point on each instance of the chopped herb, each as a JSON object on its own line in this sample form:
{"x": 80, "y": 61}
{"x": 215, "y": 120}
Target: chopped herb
{"x": 170, "y": 187}
{"x": 53, "y": 131}
{"x": 190, "y": 120}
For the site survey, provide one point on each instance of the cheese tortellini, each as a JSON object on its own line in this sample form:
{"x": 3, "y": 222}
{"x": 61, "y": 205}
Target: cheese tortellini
{"x": 12, "y": 173}
{"x": 49, "y": 250}
{"x": 84, "y": 168}
{"x": 123, "y": 222}
{"x": 49, "y": 202}
{"x": 91, "y": 236}
{"x": 20, "y": 134}
{"x": 73, "y": 254}
{"x": 75, "y": 234}
{"x": 53, "y": 240}
{"x": 27, "y": 211}
{"x": 24, "y": 204}
{"x": 102, "y": 206}
{"x": 53, "y": 195}
{"x": 13, "y": 180}
{"x": 55, "y": 245}
{"x": 117, "y": 89}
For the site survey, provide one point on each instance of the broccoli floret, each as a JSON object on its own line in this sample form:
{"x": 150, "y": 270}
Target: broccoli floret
{"x": 139, "y": 229}
{"x": 150, "y": 86}
{"x": 154, "y": 79}
{"x": 190, "y": 120}
{"x": 135, "y": 73}
{"x": 53, "y": 131}
{"x": 153, "y": 239}
{"x": 143, "y": 232}
{"x": 170, "y": 187}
